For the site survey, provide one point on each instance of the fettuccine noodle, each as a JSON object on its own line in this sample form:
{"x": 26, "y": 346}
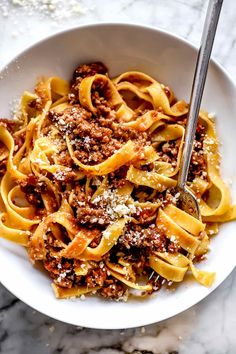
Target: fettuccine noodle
{"x": 88, "y": 176}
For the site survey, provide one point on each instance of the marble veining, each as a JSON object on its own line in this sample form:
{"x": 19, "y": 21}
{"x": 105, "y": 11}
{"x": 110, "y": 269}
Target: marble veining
{"x": 208, "y": 327}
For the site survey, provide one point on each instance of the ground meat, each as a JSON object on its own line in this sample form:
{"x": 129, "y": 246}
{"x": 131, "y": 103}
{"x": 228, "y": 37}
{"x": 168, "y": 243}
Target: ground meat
{"x": 147, "y": 240}
{"x": 65, "y": 176}
{"x": 36, "y": 103}
{"x": 78, "y": 198}
{"x": 94, "y": 139}
{"x": 3, "y": 158}
{"x": 110, "y": 287}
{"x": 168, "y": 152}
{"x": 42, "y": 93}
{"x": 117, "y": 179}
{"x": 52, "y": 243}
{"x": 101, "y": 99}
{"x": 93, "y": 143}
{"x": 60, "y": 270}
{"x": 102, "y": 104}
{"x": 80, "y": 73}
{"x": 86, "y": 212}
{"x": 95, "y": 242}
{"x": 68, "y": 120}
{"x": 167, "y": 91}
{"x": 96, "y": 277}
{"x": 33, "y": 188}
{"x": 140, "y": 264}
{"x": 86, "y": 70}
{"x": 91, "y": 216}
{"x": 2, "y": 167}
{"x": 7, "y": 123}
{"x": 198, "y": 164}
{"x": 167, "y": 197}
{"x": 115, "y": 290}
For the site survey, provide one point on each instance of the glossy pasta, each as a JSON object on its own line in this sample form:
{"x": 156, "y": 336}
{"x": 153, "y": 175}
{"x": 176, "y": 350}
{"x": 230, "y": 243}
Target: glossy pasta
{"x": 88, "y": 176}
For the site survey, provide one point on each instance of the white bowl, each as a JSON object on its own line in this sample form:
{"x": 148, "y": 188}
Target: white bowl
{"x": 171, "y": 60}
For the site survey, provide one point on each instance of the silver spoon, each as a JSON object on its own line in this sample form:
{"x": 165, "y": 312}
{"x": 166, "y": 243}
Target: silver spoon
{"x": 187, "y": 200}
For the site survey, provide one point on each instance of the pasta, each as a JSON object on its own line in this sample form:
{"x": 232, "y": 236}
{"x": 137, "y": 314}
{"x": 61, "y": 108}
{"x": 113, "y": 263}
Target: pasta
{"x": 88, "y": 175}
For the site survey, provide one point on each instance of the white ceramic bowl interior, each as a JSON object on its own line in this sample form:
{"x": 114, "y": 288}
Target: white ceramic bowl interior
{"x": 171, "y": 61}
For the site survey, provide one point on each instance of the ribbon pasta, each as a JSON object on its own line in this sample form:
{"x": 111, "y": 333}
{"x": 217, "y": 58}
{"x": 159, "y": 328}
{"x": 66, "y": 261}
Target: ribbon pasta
{"x": 104, "y": 226}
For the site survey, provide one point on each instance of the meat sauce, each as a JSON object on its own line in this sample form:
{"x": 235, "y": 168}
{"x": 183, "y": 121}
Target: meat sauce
{"x": 94, "y": 139}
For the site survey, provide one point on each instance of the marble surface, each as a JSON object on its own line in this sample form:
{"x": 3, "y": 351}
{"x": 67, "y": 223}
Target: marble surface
{"x": 207, "y": 328}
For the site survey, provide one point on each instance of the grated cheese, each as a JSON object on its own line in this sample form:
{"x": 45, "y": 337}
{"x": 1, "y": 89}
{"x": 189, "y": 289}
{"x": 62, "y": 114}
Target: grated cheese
{"x": 114, "y": 204}
{"x": 211, "y": 115}
{"x": 56, "y": 10}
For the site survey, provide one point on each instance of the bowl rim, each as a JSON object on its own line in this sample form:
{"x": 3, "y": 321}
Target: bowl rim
{"x": 156, "y": 29}
{"x": 213, "y": 61}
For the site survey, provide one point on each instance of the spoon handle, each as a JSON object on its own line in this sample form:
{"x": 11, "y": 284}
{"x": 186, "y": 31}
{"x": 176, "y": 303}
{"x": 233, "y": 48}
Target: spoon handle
{"x": 204, "y": 53}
